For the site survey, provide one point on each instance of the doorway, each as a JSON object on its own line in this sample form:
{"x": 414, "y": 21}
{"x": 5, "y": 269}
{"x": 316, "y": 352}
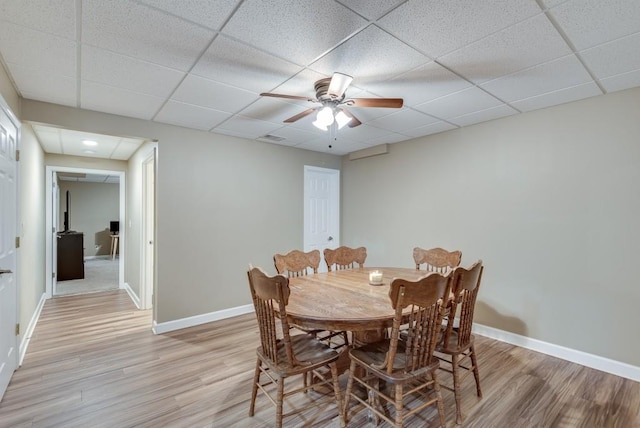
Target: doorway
{"x": 52, "y": 224}
{"x": 147, "y": 271}
{"x": 321, "y": 209}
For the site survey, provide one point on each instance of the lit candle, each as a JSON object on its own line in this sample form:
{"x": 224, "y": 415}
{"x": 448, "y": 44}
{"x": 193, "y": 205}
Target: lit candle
{"x": 375, "y": 277}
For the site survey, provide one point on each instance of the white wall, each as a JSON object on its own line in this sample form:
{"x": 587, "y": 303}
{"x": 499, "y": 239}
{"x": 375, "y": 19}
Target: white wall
{"x": 548, "y": 199}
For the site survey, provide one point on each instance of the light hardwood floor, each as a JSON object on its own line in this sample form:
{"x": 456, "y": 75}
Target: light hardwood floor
{"x": 94, "y": 362}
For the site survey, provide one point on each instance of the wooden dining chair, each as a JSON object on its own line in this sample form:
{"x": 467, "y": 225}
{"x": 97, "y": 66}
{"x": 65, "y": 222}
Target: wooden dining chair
{"x": 281, "y": 355}
{"x": 408, "y": 366}
{"x": 298, "y": 263}
{"x": 456, "y": 350}
{"x": 344, "y": 257}
{"x": 436, "y": 259}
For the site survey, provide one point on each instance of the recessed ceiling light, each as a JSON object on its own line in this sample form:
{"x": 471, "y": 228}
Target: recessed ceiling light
{"x": 89, "y": 143}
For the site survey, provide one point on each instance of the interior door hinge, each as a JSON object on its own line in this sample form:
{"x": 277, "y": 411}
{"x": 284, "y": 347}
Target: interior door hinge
{"x": 17, "y": 242}
{"x": 18, "y": 329}
{"x": 53, "y": 274}
{"x": 17, "y": 155}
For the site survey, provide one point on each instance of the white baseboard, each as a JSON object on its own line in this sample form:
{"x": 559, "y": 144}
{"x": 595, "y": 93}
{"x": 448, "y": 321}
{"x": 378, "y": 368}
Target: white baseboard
{"x": 589, "y": 360}
{"x": 26, "y": 336}
{"x": 164, "y": 327}
{"x": 134, "y": 297}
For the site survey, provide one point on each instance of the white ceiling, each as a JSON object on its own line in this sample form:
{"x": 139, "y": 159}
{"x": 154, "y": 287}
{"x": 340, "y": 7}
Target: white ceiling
{"x": 202, "y": 63}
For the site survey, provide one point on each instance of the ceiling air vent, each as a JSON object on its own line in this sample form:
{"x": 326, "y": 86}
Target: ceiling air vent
{"x": 271, "y": 138}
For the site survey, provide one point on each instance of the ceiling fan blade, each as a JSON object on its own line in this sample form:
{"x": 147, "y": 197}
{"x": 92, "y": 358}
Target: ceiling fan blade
{"x": 339, "y": 83}
{"x": 291, "y": 97}
{"x": 300, "y": 115}
{"x": 354, "y": 120}
{"x": 375, "y": 102}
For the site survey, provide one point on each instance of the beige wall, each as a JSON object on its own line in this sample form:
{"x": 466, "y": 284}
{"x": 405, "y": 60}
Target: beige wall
{"x": 31, "y": 196}
{"x": 548, "y": 199}
{"x": 92, "y": 207}
{"x": 222, "y": 203}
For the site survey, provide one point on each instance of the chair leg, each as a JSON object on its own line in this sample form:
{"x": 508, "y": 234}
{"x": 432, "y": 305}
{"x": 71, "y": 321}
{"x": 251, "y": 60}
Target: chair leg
{"x": 399, "y": 412}
{"x": 456, "y": 386}
{"x": 347, "y": 394}
{"x": 439, "y": 402}
{"x": 336, "y": 392}
{"x": 476, "y": 373}
{"x": 254, "y": 391}
{"x": 279, "y": 402}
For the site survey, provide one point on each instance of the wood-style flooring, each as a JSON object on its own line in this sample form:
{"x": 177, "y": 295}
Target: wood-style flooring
{"x": 94, "y": 362}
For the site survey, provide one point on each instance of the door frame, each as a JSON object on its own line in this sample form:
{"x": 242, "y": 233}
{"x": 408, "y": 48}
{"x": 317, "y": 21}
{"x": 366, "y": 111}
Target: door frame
{"x": 50, "y": 229}
{"x": 148, "y": 238}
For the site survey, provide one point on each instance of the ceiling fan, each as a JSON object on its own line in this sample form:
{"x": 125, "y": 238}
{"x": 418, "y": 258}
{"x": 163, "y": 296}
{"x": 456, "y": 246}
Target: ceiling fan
{"x": 330, "y": 94}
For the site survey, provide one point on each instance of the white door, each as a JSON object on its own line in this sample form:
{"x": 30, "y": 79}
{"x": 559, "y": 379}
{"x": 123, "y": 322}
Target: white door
{"x": 148, "y": 231}
{"x": 321, "y": 209}
{"x": 8, "y": 252}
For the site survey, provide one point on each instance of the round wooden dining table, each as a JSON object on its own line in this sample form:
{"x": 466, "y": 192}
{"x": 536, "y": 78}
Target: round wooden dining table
{"x": 345, "y": 301}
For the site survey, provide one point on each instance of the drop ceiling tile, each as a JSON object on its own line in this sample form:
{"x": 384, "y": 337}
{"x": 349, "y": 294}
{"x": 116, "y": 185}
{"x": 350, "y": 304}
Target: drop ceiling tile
{"x": 108, "y": 68}
{"x": 245, "y": 127}
{"x": 484, "y": 115}
{"x": 356, "y": 58}
{"x": 234, "y": 63}
{"x": 207, "y": 93}
{"x": 555, "y": 75}
{"x": 589, "y": 23}
{"x": 525, "y": 44}
{"x": 372, "y": 9}
{"x": 141, "y": 32}
{"x": 553, "y": 3}
{"x": 432, "y": 128}
{"x": 42, "y": 85}
{"x": 190, "y": 116}
{"x": 621, "y": 81}
{"x": 363, "y": 133}
{"x": 54, "y": 17}
{"x": 49, "y": 138}
{"x": 37, "y": 50}
{"x": 387, "y": 139}
{"x": 464, "y": 102}
{"x": 438, "y": 27}
{"x": 301, "y": 84}
{"x": 366, "y": 114}
{"x": 402, "y": 120}
{"x": 211, "y": 14}
{"x": 274, "y": 110}
{"x": 617, "y": 57}
{"x": 425, "y": 83}
{"x": 340, "y": 146}
{"x": 108, "y": 99}
{"x": 285, "y": 30}
{"x": 124, "y": 150}
{"x": 561, "y": 96}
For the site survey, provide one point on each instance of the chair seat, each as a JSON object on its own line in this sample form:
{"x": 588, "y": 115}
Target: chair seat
{"x": 309, "y": 351}
{"x": 373, "y": 355}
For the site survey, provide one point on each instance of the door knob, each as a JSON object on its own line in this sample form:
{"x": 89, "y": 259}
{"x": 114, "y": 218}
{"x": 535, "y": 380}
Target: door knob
{"x": 330, "y": 238}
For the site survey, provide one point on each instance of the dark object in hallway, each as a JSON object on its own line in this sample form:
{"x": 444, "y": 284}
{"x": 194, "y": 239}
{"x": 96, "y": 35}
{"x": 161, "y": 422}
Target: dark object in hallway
{"x": 70, "y": 256}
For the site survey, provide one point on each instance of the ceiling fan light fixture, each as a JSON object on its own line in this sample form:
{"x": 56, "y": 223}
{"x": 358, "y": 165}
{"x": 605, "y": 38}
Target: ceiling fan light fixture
{"x": 342, "y": 119}
{"x": 319, "y": 125}
{"x": 325, "y": 116}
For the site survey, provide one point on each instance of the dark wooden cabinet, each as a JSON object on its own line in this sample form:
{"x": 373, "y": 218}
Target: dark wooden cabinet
{"x": 70, "y": 256}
